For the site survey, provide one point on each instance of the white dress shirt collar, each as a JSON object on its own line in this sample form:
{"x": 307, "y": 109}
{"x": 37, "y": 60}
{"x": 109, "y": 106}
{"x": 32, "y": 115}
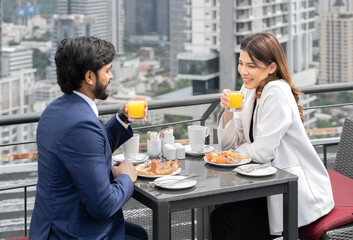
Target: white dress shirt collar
{"x": 89, "y": 101}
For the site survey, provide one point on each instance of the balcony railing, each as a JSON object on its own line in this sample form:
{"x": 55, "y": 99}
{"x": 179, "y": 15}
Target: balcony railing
{"x": 323, "y": 146}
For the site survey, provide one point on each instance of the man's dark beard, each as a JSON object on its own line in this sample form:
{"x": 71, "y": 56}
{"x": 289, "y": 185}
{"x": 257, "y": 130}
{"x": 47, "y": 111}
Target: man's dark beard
{"x": 100, "y": 90}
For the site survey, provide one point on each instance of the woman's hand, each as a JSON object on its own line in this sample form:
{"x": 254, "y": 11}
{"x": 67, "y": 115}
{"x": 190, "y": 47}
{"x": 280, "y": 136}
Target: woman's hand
{"x": 227, "y": 116}
{"x": 225, "y": 99}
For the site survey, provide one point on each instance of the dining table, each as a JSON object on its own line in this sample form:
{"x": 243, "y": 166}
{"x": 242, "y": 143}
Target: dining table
{"x": 215, "y": 185}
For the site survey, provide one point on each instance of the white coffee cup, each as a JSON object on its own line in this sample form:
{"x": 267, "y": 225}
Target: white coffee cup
{"x": 154, "y": 147}
{"x": 131, "y": 147}
{"x": 197, "y": 135}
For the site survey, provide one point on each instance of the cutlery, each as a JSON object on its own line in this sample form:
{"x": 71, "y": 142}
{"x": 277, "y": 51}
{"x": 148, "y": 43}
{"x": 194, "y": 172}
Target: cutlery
{"x": 250, "y": 169}
{"x": 173, "y": 181}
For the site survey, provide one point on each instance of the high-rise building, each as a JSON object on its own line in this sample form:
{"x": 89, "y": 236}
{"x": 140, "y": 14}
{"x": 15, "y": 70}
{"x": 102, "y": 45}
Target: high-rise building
{"x": 162, "y": 20}
{"x": 65, "y": 26}
{"x": 15, "y": 58}
{"x": 140, "y": 17}
{"x": 17, "y": 97}
{"x": 336, "y": 44}
{"x": 98, "y": 9}
{"x": 117, "y": 13}
{"x": 327, "y": 6}
{"x": 220, "y": 26}
{"x": 0, "y": 35}
{"x": 177, "y": 33}
{"x": 146, "y": 17}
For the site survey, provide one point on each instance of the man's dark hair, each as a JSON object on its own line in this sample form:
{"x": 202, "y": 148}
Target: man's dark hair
{"x": 75, "y": 56}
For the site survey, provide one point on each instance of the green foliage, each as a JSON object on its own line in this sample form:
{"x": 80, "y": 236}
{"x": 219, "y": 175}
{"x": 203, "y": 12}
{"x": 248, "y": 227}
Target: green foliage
{"x": 180, "y": 130}
{"x": 324, "y": 99}
{"x": 312, "y": 65}
{"x": 13, "y": 43}
{"x": 323, "y": 124}
{"x": 238, "y": 84}
{"x": 130, "y": 47}
{"x": 183, "y": 84}
{"x": 40, "y": 62}
{"x": 47, "y": 8}
{"x": 164, "y": 87}
{"x": 45, "y": 38}
{"x": 9, "y": 10}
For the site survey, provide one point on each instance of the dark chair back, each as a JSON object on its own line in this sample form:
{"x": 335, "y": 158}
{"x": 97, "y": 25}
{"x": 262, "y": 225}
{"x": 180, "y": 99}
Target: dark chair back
{"x": 344, "y": 157}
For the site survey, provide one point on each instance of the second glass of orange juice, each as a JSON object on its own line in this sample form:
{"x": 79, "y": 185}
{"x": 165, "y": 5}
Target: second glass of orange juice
{"x": 236, "y": 101}
{"x": 136, "y": 110}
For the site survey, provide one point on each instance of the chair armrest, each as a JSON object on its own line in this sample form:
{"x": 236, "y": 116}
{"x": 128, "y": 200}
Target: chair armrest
{"x": 325, "y": 141}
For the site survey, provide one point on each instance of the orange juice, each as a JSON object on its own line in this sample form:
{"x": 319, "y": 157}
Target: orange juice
{"x": 236, "y": 99}
{"x": 136, "y": 110}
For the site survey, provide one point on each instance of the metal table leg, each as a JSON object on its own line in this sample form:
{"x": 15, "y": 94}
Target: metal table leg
{"x": 161, "y": 222}
{"x": 290, "y": 212}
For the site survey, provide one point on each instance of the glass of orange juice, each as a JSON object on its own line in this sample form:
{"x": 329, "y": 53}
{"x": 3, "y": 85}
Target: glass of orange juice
{"x": 136, "y": 110}
{"x": 236, "y": 101}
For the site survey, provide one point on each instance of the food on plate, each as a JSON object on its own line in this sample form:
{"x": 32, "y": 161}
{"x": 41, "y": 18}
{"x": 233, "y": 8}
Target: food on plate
{"x": 157, "y": 167}
{"x": 224, "y": 157}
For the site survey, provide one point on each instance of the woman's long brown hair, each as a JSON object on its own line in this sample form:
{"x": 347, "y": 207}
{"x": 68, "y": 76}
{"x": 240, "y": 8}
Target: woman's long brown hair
{"x": 264, "y": 47}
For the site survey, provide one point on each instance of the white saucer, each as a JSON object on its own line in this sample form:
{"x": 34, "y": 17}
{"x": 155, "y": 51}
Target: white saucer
{"x": 242, "y": 162}
{"x": 140, "y": 158}
{"x": 206, "y": 149}
{"x": 158, "y": 176}
{"x": 261, "y": 172}
{"x": 187, "y": 183}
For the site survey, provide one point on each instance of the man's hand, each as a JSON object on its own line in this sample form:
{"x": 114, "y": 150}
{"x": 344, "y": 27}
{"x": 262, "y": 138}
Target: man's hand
{"x": 126, "y": 168}
{"x": 125, "y": 110}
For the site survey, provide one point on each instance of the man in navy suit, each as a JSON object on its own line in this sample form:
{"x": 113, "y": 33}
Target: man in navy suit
{"x": 80, "y": 194}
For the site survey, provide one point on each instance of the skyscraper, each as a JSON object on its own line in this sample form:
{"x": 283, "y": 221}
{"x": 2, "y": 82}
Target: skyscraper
{"x": 0, "y": 34}
{"x": 146, "y": 17}
{"x": 220, "y": 26}
{"x": 117, "y": 13}
{"x": 98, "y": 9}
{"x": 65, "y": 26}
{"x": 326, "y": 6}
{"x": 336, "y": 45}
{"x": 177, "y": 33}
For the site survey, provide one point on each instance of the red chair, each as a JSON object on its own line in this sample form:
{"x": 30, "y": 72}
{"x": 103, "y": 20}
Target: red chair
{"x": 338, "y": 224}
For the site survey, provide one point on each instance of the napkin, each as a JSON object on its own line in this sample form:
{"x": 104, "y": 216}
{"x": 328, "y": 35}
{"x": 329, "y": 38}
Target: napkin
{"x": 152, "y": 135}
{"x": 167, "y": 133}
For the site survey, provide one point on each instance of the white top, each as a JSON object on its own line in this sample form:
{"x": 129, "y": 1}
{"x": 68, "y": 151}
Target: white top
{"x": 279, "y": 134}
{"x": 95, "y": 109}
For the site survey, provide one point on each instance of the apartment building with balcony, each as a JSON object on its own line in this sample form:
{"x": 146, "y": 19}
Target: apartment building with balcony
{"x": 97, "y": 9}
{"x": 15, "y": 58}
{"x": 0, "y": 34}
{"x": 218, "y": 27}
{"x": 17, "y": 97}
{"x": 336, "y": 46}
{"x": 65, "y": 26}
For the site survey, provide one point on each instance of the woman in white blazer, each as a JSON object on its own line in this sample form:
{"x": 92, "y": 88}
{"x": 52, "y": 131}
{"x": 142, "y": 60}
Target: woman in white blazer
{"x": 278, "y": 134}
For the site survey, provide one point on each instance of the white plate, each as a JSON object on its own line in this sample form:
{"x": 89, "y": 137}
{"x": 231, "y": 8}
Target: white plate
{"x": 178, "y": 185}
{"x": 205, "y": 150}
{"x": 140, "y": 158}
{"x": 158, "y": 176}
{"x": 257, "y": 172}
{"x": 243, "y": 161}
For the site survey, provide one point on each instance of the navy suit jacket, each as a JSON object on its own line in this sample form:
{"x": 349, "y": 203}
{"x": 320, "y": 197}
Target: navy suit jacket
{"x": 77, "y": 195}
